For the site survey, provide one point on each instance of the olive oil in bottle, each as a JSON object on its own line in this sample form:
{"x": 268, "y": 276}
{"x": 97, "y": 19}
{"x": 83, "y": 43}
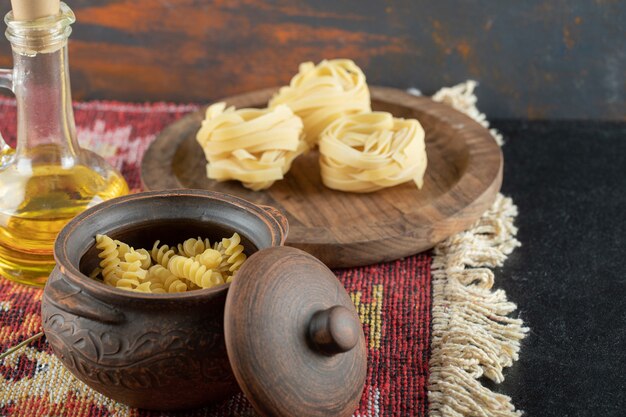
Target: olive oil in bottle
{"x": 35, "y": 207}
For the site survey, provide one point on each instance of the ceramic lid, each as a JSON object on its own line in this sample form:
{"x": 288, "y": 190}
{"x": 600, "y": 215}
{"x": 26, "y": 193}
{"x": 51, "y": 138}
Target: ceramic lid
{"x": 293, "y": 336}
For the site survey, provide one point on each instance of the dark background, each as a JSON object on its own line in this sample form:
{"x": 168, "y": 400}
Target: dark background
{"x": 568, "y": 278}
{"x": 538, "y": 59}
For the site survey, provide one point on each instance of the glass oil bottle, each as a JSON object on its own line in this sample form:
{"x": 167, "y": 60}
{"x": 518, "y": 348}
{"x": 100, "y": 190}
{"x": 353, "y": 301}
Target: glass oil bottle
{"x": 47, "y": 179}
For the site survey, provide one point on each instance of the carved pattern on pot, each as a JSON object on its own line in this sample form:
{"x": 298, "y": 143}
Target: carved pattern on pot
{"x": 146, "y": 360}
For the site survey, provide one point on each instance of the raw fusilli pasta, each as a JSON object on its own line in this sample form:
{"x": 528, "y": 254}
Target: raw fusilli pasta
{"x": 169, "y": 282}
{"x": 162, "y": 254}
{"x": 95, "y": 272}
{"x": 132, "y": 275}
{"x": 144, "y": 287}
{"x": 193, "y": 264}
{"x": 191, "y": 247}
{"x": 210, "y": 258}
{"x": 122, "y": 249}
{"x": 141, "y": 255}
{"x": 234, "y": 251}
{"x": 109, "y": 260}
{"x": 194, "y": 271}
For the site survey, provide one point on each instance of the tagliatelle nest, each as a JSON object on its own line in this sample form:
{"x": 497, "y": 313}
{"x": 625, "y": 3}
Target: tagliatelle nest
{"x": 254, "y": 146}
{"x": 322, "y": 93}
{"x": 370, "y": 151}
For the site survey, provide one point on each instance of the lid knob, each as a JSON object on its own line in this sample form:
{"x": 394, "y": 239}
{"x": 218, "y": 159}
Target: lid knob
{"x": 334, "y": 330}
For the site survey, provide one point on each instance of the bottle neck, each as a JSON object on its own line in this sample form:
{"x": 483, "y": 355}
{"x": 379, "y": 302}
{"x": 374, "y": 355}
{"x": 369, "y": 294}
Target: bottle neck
{"x": 46, "y": 131}
{"x": 45, "y": 118}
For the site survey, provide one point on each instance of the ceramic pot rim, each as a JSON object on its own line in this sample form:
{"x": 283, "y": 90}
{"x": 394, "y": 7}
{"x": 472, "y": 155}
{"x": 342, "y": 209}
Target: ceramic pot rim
{"x": 277, "y": 227}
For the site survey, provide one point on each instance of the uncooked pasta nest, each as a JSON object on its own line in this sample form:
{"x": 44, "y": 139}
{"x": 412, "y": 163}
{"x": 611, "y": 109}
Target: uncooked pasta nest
{"x": 322, "y": 93}
{"x": 369, "y": 151}
{"x": 193, "y": 264}
{"x": 327, "y": 104}
{"x": 254, "y": 146}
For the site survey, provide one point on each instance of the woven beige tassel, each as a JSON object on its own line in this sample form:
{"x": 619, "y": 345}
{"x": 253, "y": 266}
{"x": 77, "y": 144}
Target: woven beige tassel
{"x": 472, "y": 334}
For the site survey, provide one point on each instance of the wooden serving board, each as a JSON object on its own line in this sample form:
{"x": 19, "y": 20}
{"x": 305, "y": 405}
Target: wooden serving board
{"x": 462, "y": 179}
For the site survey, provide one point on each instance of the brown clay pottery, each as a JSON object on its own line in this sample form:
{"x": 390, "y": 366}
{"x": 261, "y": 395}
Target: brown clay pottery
{"x": 175, "y": 351}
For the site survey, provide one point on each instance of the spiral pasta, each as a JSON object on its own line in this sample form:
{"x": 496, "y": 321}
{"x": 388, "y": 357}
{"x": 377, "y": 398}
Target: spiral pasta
{"x": 193, "y": 264}
{"x": 94, "y": 274}
{"x": 146, "y": 287}
{"x": 162, "y": 254}
{"x": 154, "y": 284}
{"x": 210, "y": 258}
{"x": 141, "y": 255}
{"x": 143, "y": 287}
{"x": 234, "y": 252}
{"x": 366, "y": 152}
{"x": 254, "y": 146}
{"x": 168, "y": 281}
{"x": 191, "y": 247}
{"x": 194, "y": 271}
{"x": 122, "y": 249}
{"x": 109, "y": 260}
{"x": 132, "y": 275}
{"x": 322, "y": 93}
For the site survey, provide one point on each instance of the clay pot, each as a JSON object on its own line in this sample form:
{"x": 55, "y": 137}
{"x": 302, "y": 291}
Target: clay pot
{"x": 154, "y": 351}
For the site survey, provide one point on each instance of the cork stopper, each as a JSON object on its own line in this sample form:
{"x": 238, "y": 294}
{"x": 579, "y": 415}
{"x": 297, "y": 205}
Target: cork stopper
{"x": 34, "y": 9}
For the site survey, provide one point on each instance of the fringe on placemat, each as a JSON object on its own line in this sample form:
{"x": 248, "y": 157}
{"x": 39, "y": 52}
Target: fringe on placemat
{"x": 462, "y": 98}
{"x": 472, "y": 333}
